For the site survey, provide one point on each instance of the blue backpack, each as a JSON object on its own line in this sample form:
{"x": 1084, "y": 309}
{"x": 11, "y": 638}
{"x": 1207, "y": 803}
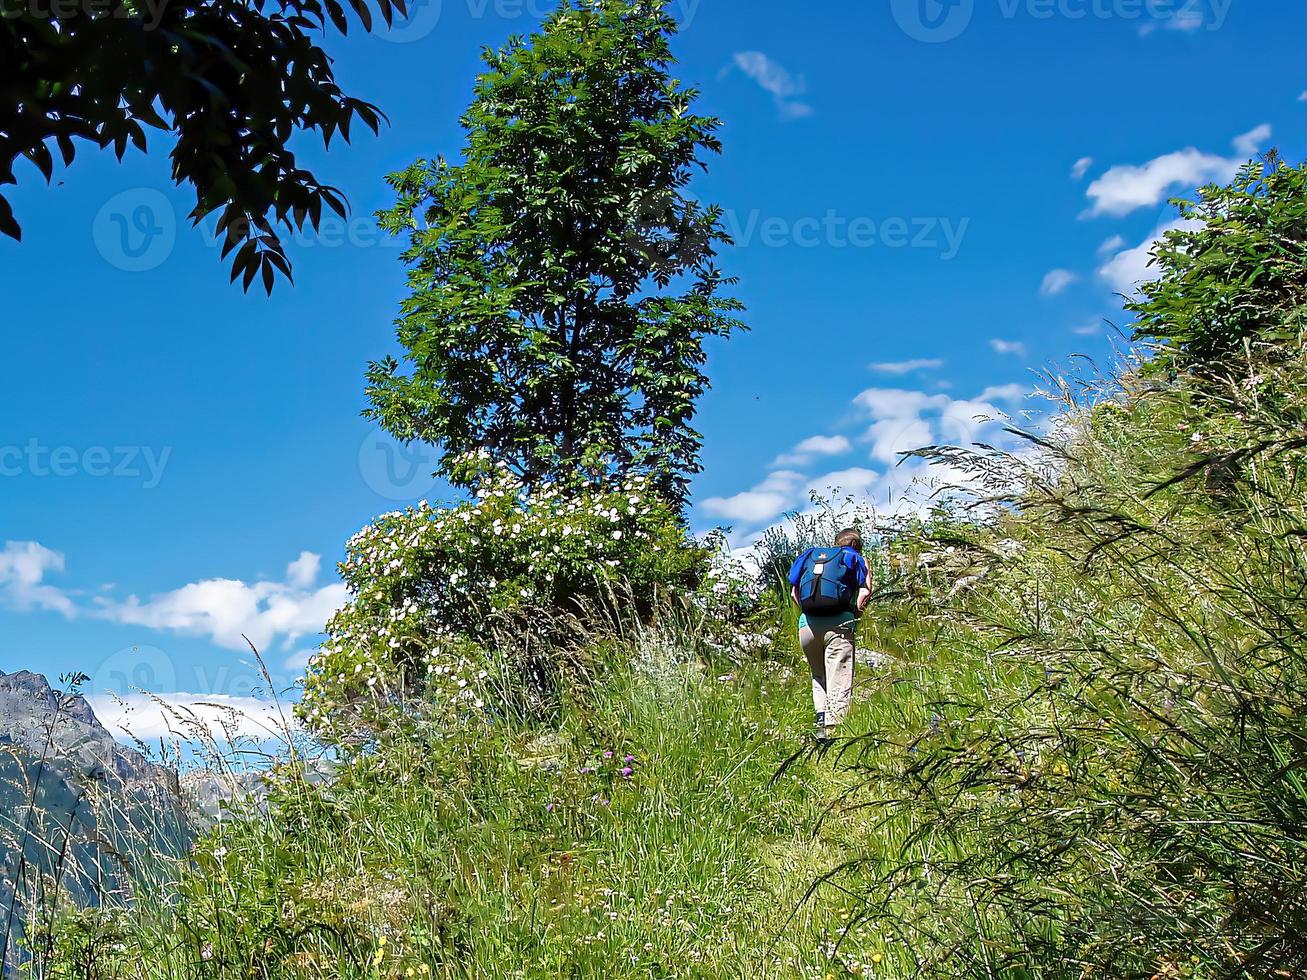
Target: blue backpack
{"x": 827, "y": 583}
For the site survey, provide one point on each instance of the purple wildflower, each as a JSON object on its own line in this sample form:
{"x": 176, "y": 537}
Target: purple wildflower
{"x": 608, "y": 753}
{"x": 629, "y": 759}
{"x": 626, "y": 771}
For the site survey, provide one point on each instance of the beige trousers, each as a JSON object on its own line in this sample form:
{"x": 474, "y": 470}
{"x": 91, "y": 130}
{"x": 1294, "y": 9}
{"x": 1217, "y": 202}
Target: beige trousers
{"x": 830, "y": 652}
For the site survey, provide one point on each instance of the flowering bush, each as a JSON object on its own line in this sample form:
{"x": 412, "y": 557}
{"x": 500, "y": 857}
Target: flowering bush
{"x": 430, "y": 586}
{"x": 730, "y": 591}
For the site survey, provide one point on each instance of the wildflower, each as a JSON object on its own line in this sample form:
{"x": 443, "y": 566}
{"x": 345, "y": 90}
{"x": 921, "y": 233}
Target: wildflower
{"x": 627, "y": 771}
{"x": 629, "y": 758}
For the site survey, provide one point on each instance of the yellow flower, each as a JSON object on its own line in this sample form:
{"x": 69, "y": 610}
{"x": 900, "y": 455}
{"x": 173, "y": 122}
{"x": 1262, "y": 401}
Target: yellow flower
{"x": 876, "y": 958}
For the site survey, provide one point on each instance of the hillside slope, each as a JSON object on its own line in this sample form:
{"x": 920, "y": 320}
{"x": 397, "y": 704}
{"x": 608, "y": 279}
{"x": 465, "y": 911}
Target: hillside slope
{"x": 77, "y": 805}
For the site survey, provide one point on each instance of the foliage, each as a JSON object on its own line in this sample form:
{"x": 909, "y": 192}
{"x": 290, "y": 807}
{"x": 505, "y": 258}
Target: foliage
{"x": 1234, "y": 273}
{"x": 230, "y": 80}
{"x": 432, "y": 587}
{"x": 562, "y": 280}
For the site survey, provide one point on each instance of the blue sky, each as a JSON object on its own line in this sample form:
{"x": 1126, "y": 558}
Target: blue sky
{"x": 931, "y": 201}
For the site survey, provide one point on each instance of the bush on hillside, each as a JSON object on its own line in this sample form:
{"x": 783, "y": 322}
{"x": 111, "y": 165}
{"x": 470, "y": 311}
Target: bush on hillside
{"x": 1233, "y": 273}
{"x": 432, "y": 588}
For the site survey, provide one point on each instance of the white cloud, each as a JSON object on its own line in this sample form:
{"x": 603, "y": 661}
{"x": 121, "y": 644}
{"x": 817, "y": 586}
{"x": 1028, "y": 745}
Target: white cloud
{"x": 1251, "y": 142}
{"x": 890, "y": 403}
{"x": 784, "y": 88}
{"x": 23, "y": 568}
{"x": 1081, "y": 167}
{"x": 1056, "y": 282}
{"x": 892, "y": 437}
{"x": 179, "y": 713}
{"x": 902, "y": 421}
{"x": 1014, "y": 347}
{"x": 1126, "y": 188}
{"x": 856, "y": 480}
{"x": 897, "y": 420}
{"x": 963, "y": 421}
{"x": 806, "y": 451}
{"x": 1087, "y": 329}
{"x": 1110, "y": 245}
{"x": 774, "y": 495}
{"x": 303, "y": 571}
{"x": 1303, "y": 97}
{"x": 1125, "y": 270}
{"x": 224, "y": 609}
{"x": 907, "y": 367}
{"x": 1003, "y": 393}
{"x": 221, "y": 609}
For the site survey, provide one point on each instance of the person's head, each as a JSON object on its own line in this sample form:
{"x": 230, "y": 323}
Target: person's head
{"x": 849, "y": 538}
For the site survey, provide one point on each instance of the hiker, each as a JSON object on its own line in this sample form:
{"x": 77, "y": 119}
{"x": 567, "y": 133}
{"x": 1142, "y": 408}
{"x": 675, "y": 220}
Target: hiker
{"x": 831, "y": 587}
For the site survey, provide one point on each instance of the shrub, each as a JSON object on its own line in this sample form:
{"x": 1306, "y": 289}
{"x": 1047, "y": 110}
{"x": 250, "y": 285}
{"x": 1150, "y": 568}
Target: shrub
{"x": 1234, "y": 273}
{"x": 432, "y": 587}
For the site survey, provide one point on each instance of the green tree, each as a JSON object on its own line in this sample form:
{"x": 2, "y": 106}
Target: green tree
{"x": 562, "y": 280}
{"x": 229, "y": 79}
{"x": 1238, "y": 274}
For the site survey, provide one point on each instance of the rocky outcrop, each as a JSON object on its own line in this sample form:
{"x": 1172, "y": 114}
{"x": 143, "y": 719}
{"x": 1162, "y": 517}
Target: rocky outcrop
{"x": 77, "y": 805}
{"x": 40, "y": 721}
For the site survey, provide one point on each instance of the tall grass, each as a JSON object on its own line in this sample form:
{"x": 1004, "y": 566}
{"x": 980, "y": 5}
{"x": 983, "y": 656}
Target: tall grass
{"x": 645, "y": 830}
{"x": 1108, "y": 776}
